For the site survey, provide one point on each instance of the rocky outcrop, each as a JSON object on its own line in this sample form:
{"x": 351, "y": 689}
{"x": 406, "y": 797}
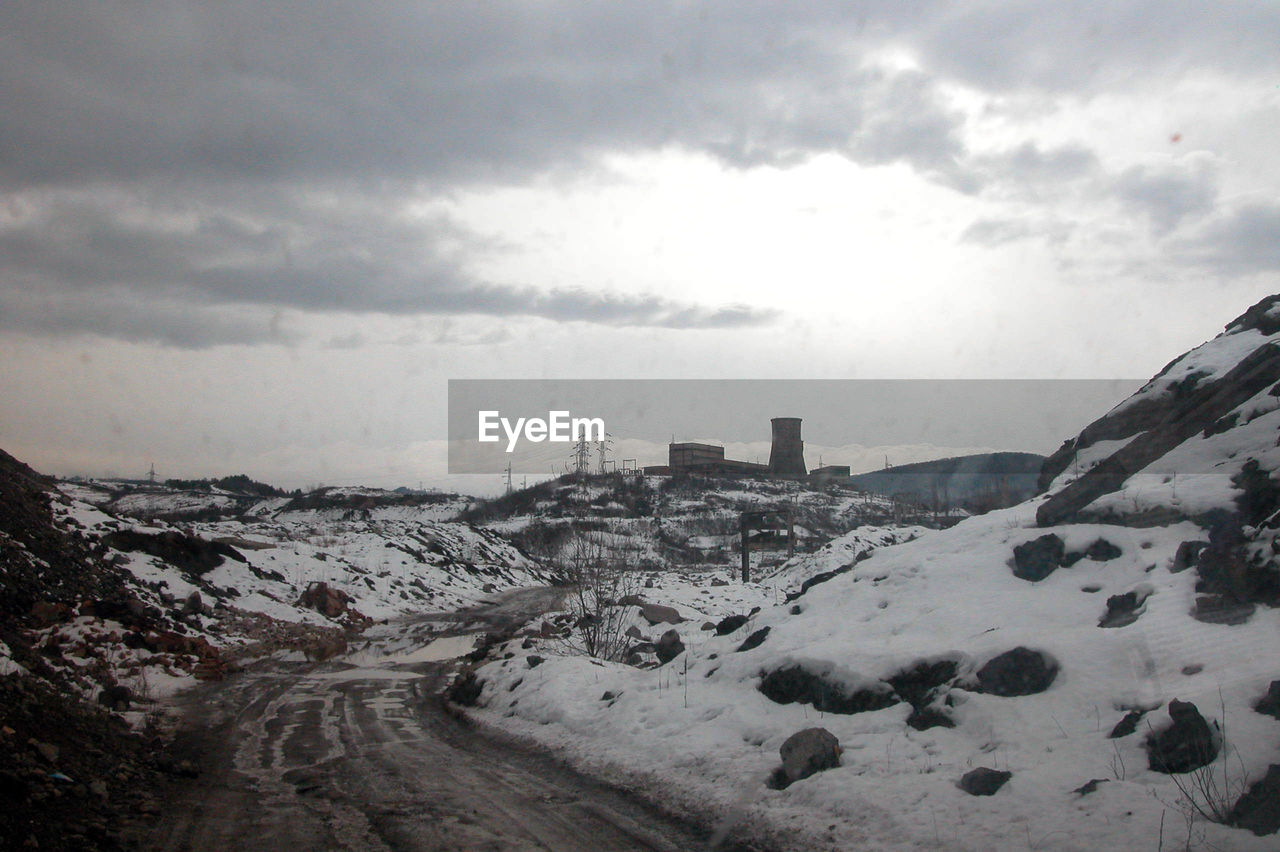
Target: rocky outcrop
{"x": 796, "y": 684}
{"x": 1157, "y": 424}
{"x": 192, "y": 554}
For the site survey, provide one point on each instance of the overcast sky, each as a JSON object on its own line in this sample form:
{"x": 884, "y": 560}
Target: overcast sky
{"x": 260, "y": 237}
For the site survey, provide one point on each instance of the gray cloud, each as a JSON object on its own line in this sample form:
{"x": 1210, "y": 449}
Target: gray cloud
{"x": 307, "y": 257}
{"x": 1062, "y": 47}
{"x": 1167, "y": 196}
{"x": 123, "y": 316}
{"x": 247, "y": 153}
{"x": 992, "y": 233}
{"x": 1245, "y": 241}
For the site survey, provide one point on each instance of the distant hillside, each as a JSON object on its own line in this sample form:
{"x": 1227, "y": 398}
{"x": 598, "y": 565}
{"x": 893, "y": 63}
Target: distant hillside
{"x": 978, "y": 483}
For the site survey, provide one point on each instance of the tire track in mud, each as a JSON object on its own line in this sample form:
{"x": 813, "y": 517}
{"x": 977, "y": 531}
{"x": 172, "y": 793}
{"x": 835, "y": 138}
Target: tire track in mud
{"x": 353, "y": 755}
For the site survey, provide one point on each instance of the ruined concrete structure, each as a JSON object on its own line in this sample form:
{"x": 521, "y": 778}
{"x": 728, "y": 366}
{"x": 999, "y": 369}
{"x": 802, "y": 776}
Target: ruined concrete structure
{"x": 786, "y": 458}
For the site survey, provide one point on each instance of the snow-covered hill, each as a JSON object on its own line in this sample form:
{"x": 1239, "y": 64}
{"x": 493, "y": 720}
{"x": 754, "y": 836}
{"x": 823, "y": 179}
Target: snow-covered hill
{"x": 1110, "y": 644}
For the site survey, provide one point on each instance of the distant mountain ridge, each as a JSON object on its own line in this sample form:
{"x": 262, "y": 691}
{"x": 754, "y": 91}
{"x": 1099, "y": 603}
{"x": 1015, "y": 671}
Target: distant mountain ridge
{"x": 976, "y": 482}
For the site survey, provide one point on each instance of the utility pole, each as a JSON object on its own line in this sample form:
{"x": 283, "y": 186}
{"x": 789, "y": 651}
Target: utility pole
{"x": 151, "y": 474}
{"x": 602, "y": 448}
{"x": 508, "y": 477}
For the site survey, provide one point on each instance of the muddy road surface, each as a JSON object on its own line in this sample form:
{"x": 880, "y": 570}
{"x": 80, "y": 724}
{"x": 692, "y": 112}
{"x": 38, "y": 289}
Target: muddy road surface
{"x": 361, "y": 753}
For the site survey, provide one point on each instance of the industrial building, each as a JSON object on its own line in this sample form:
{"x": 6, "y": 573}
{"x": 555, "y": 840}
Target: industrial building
{"x": 786, "y": 456}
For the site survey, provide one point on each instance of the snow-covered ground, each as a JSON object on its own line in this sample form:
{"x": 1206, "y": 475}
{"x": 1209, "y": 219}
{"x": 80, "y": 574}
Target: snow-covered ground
{"x": 699, "y": 732}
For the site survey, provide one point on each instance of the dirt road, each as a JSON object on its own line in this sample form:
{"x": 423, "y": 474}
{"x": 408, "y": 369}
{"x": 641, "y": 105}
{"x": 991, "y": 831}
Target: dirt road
{"x": 359, "y": 753}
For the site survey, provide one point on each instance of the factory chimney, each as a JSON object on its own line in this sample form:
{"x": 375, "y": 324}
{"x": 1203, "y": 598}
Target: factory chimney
{"x": 786, "y": 457}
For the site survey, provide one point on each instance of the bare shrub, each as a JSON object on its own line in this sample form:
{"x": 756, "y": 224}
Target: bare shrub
{"x": 598, "y": 577}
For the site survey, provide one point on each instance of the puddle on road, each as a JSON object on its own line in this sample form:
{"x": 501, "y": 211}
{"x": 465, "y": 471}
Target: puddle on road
{"x": 444, "y": 648}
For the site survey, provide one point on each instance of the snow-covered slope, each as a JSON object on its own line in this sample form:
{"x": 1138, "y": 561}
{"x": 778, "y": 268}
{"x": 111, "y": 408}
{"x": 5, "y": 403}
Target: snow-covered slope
{"x": 1017, "y": 641}
{"x": 386, "y": 566}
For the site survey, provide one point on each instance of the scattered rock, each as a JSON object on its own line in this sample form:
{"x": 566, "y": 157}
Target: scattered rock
{"x": 1188, "y": 553}
{"x": 466, "y": 689}
{"x": 1193, "y": 669}
{"x": 634, "y": 632}
{"x": 809, "y": 751}
{"x": 117, "y": 697}
{"x": 325, "y": 599}
{"x": 1185, "y": 745}
{"x": 608, "y": 696}
{"x": 1127, "y": 725}
{"x": 533, "y": 661}
{"x": 1123, "y": 610}
{"x": 795, "y": 684}
{"x": 193, "y": 605}
{"x": 1037, "y": 559}
{"x": 754, "y": 640}
{"x": 708, "y": 625}
{"x": 1018, "y": 672}
{"x": 1220, "y": 609}
{"x": 719, "y": 582}
{"x": 983, "y": 781}
{"x": 1258, "y": 810}
{"x": 47, "y": 614}
{"x": 1270, "y": 703}
{"x": 730, "y": 623}
{"x": 1089, "y": 787}
{"x": 659, "y": 614}
{"x": 924, "y": 718}
{"x": 918, "y": 685}
{"x": 631, "y": 600}
{"x": 668, "y": 646}
{"x": 1103, "y": 551}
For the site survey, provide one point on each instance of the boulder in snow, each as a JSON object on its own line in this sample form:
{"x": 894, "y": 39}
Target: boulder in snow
{"x": 808, "y": 751}
{"x": 1258, "y": 810}
{"x": 730, "y": 623}
{"x": 1270, "y": 703}
{"x": 668, "y": 646}
{"x": 1036, "y": 559}
{"x": 1021, "y": 671}
{"x": 983, "y": 781}
{"x": 659, "y": 614}
{"x": 1185, "y": 745}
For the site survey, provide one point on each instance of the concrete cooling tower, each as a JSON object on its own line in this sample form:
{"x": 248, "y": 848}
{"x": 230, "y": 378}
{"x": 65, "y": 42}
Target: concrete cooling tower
{"x": 786, "y": 457}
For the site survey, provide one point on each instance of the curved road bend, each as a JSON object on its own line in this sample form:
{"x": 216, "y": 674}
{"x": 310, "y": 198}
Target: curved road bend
{"x": 359, "y": 753}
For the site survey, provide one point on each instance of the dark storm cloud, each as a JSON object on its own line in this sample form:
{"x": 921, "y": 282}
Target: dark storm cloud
{"x": 442, "y": 91}
{"x": 179, "y": 149}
